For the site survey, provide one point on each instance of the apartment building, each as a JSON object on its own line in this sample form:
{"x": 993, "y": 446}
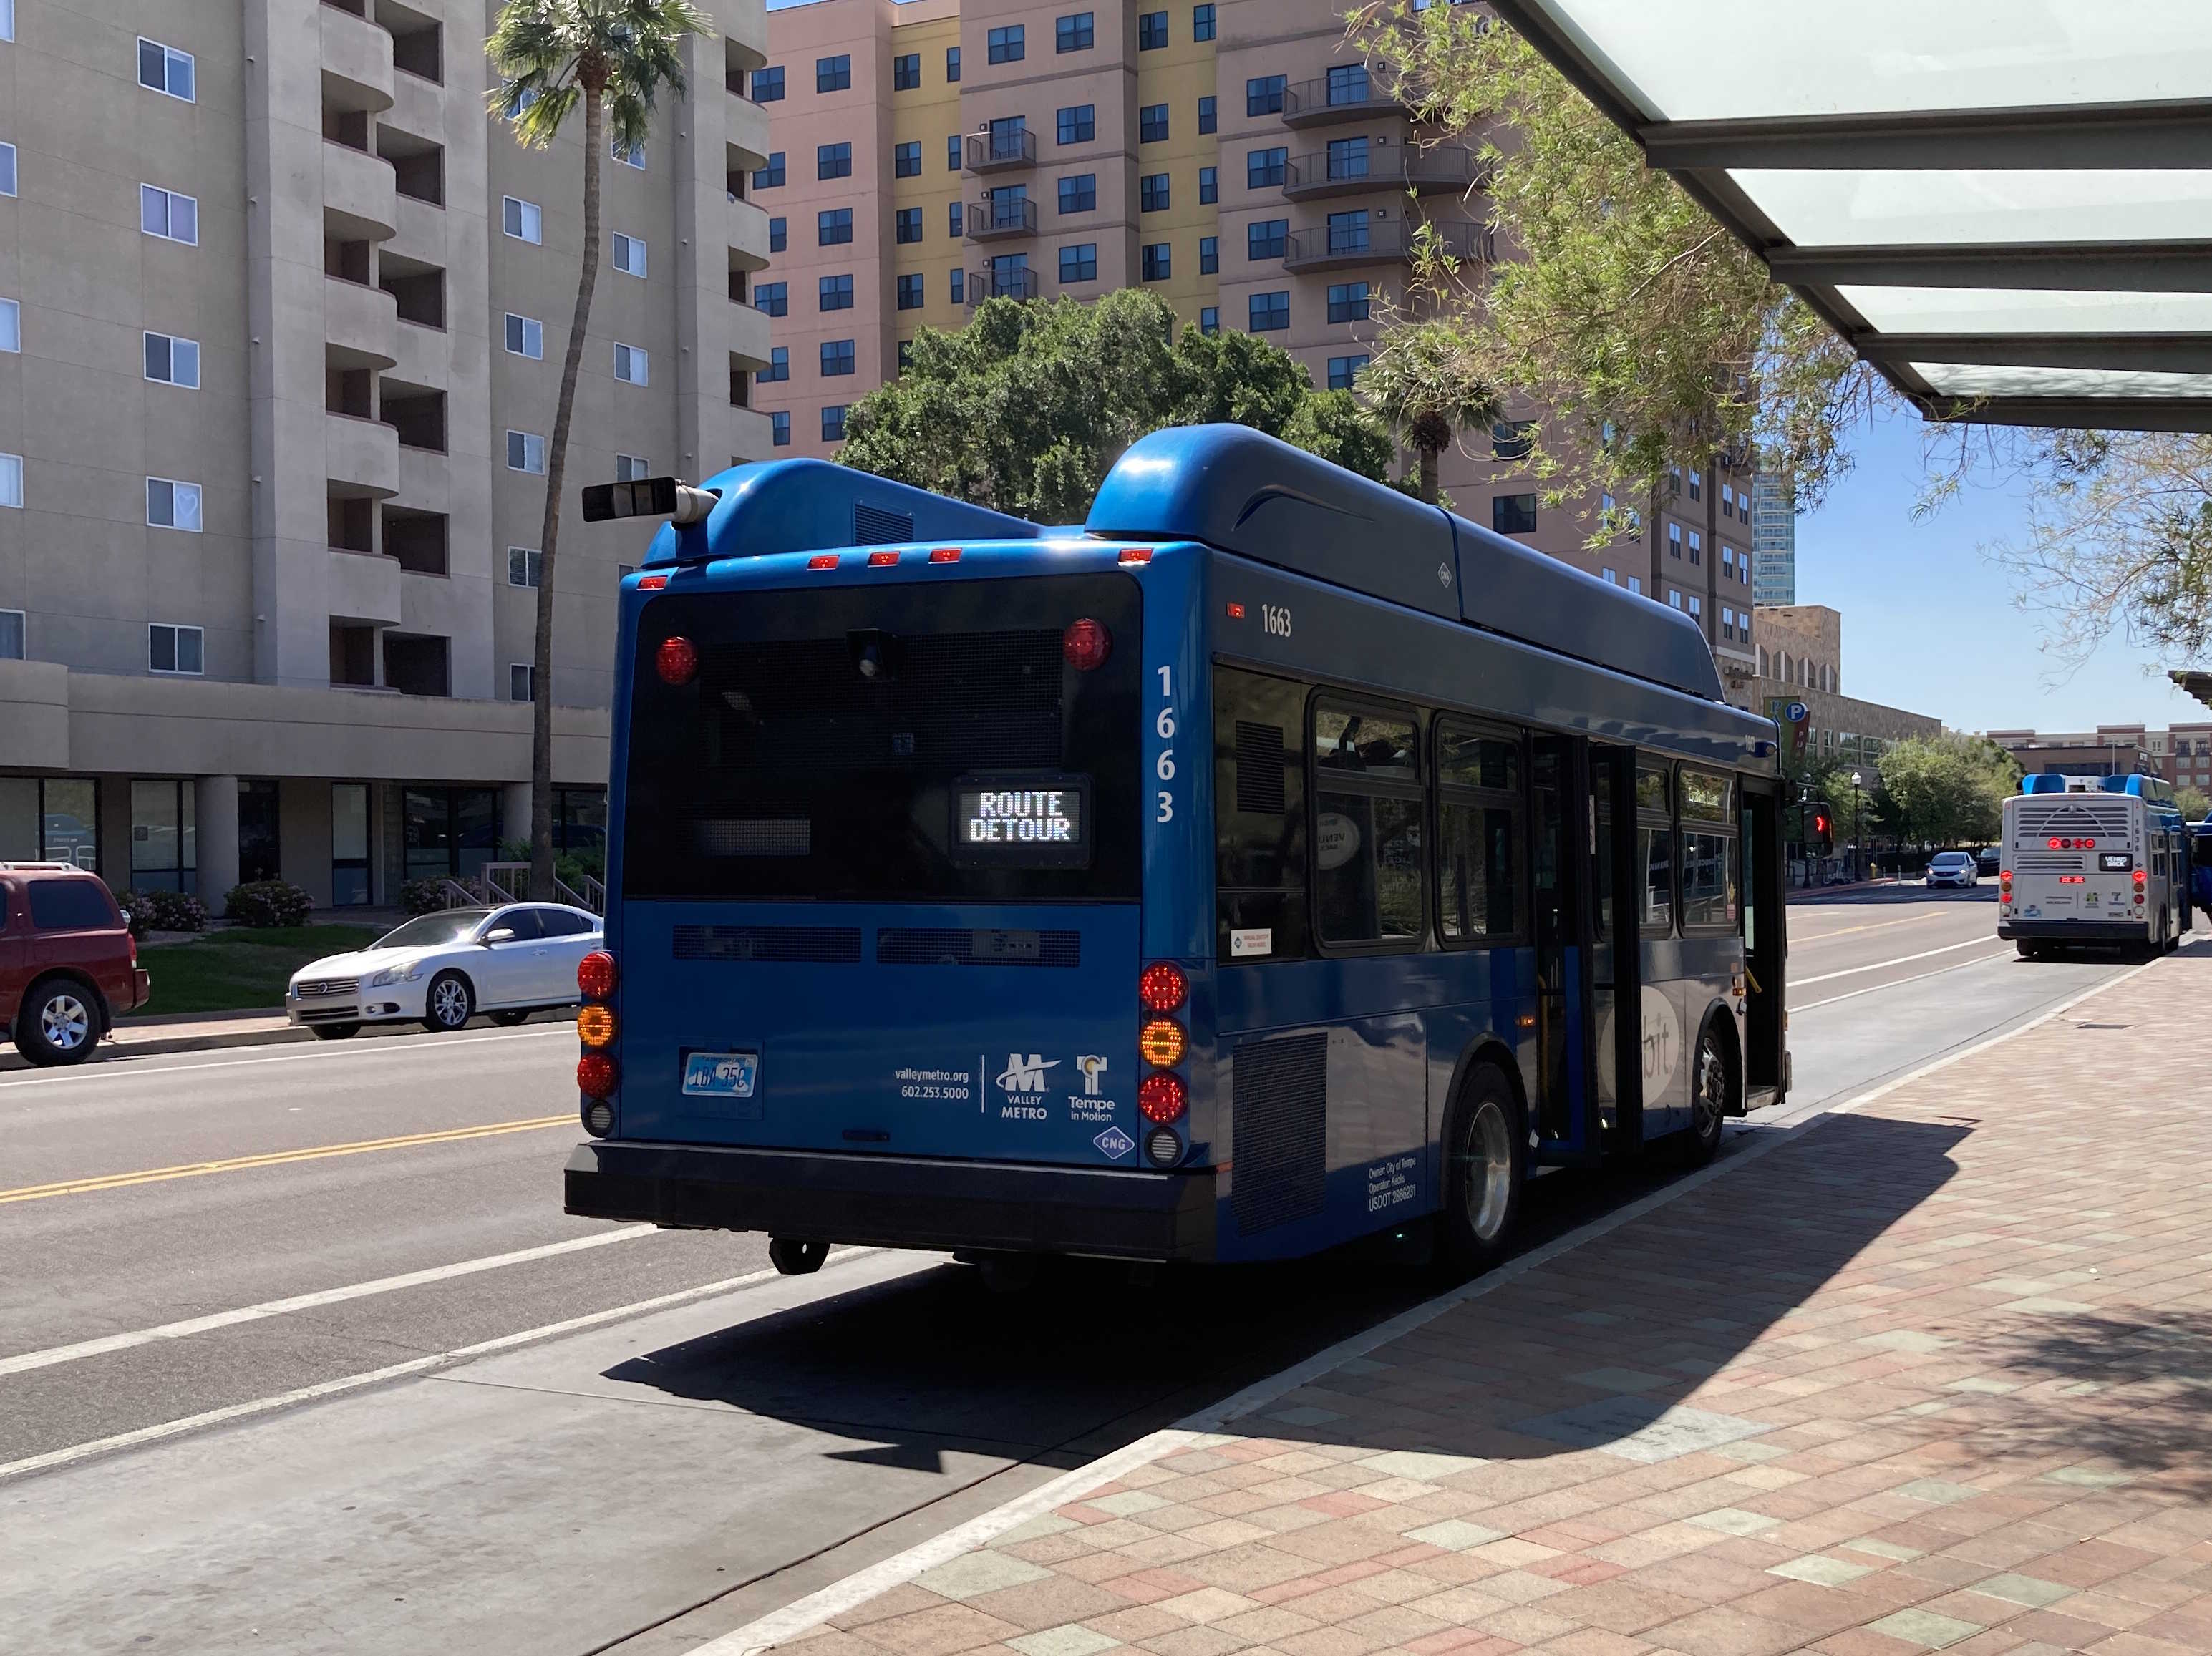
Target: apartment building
{"x": 280, "y": 353}
{"x": 1236, "y": 157}
{"x": 2182, "y": 753}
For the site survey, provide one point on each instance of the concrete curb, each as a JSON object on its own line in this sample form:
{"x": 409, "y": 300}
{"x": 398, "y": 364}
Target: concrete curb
{"x": 218, "y": 1039}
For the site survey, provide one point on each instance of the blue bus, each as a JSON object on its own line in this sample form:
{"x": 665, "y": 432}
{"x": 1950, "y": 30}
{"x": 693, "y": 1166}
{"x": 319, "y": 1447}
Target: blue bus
{"x": 1270, "y": 861}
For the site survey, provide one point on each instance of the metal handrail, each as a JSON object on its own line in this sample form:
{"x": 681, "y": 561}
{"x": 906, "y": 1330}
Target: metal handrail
{"x": 997, "y": 284}
{"x": 986, "y": 150}
{"x": 1001, "y": 216}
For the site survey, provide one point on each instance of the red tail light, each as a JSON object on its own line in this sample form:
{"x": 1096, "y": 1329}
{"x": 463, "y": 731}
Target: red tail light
{"x": 1161, "y": 1097}
{"x": 2054, "y": 845}
{"x": 595, "y": 1075}
{"x": 1086, "y": 644}
{"x": 595, "y": 975}
{"x": 1161, "y": 987}
{"x": 676, "y": 660}
{"x": 2142, "y": 876}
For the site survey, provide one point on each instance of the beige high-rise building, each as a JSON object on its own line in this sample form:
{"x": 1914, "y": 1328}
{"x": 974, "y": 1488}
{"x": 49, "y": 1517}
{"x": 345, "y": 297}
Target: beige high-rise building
{"x": 1236, "y": 157}
{"x": 283, "y": 311}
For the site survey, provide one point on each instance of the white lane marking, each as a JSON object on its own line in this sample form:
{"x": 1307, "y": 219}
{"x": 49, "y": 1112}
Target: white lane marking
{"x": 328, "y": 1388}
{"x": 1202, "y": 1429}
{"x": 1901, "y": 960}
{"x": 107, "y": 1343}
{"x": 428, "y": 1044}
{"x": 1895, "y": 983}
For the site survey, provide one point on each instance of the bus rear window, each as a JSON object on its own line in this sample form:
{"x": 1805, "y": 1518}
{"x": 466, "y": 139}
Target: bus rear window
{"x": 929, "y": 742}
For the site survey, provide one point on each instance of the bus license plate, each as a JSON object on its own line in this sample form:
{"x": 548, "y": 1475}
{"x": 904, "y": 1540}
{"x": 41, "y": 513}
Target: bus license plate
{"x": 720, "y": 1075}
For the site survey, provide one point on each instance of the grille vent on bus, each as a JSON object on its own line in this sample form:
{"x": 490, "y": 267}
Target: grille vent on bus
{"x": 2046, "y": 862}
{"x": 1279, "y": 1100}
{"x": 2071, "y": 817}
{"x": 922, "y": 946}
{"x": 1260, "y": 768}
{"x": 831, "y": 945}
{"x": 873, "y": 526}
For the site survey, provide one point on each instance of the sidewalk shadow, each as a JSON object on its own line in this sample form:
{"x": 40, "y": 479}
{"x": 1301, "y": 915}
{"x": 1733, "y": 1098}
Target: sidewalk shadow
{"x": 1596, "y": 1347}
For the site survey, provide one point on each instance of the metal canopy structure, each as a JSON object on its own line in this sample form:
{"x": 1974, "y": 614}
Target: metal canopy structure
{"x": 2004, "y": 205}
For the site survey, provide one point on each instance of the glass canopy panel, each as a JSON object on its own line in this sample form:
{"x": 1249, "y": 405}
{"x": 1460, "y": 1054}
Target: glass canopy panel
{"x": 1889, "y": 207}
{"x": 1690, "y": 60}
{"x": 1976, "y": 380}
{"x": 2027, "y": 310}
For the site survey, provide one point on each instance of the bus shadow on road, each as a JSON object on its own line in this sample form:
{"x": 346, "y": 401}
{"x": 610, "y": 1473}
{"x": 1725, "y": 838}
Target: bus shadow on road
{"x": 1600, "y": 1347}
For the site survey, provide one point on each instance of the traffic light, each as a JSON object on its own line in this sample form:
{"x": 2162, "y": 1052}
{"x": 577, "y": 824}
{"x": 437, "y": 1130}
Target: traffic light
{"x": 1823, "y": 830}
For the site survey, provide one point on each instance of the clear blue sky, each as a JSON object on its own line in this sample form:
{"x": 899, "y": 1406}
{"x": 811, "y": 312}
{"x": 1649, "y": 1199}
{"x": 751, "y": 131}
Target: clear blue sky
{"x": 1929, "y": 621}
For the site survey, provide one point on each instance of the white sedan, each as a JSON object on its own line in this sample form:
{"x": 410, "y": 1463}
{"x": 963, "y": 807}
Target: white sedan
{"x": 443, "y": 969}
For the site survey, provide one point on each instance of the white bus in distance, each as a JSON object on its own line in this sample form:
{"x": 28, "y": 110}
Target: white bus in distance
{"x": 2093, "y": 859}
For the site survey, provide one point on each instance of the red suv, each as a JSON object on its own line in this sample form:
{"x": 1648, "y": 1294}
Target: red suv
{"x": 68, "y": 963}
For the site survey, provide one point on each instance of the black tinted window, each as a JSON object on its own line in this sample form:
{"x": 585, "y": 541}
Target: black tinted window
{"x": 525, "y": 923}
{"x": 1260, "y": 810}
{"x": 1368, "y": 861}
{"x": 560, "y": 923}
{"x": 70, "y": 906}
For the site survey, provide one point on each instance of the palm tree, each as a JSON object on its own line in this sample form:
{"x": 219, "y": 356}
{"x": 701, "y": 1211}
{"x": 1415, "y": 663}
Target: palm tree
{"x": 613, "y": 57}
{"x": 1427, "y": 391}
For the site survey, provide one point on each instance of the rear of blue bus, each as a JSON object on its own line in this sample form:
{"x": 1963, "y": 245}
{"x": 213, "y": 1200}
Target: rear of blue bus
{"x": 883, "y": 825}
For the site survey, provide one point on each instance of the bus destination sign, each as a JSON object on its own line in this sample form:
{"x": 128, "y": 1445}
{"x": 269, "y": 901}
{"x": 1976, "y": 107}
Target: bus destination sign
{"x": 1022, "y": 822}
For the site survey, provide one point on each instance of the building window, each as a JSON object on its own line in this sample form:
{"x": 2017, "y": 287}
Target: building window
{"x": 1152, "y": 193}
{"x": 958, "y": 282}
{"x": 1697, "y": 546}
{"x": 832, "y": 161}
{"x": 518, "y": 682}
{"x": 906, "y": 72}
{"x": 834, "y": 74}
{"x": 1348, "y": 84}
{"x": 176, "y": 649}
{"x": 905, "y": 355}
{"x": 628, "y": 155}
{"x": 1209, "y": 320}
{"x": 1347, "y": 301}
{"x": 1079, "y": 193}
{"x": 1348, "y": 231}
{"x": 1697, "y": 485}
{"x": 833, "y": 228}
{"x": 525, "y": 336}
{"x": 910, "y": 292}
{"x": 11, "y": 480}
{"x": 1611, "y": 576}
{"x": 1270, "y": 312}
{"x": 1727, "y": 500}
{"x": 526, "y": 451}
{"x": 525, "y": 566}
{"x": 1263, "y": 168}
{"x": 1343, "y": 370}
{"x": 1636, "y": 584}
{"x": 906, "y": 160}
{"x": 1079, "y": 263}
{"x": 1512, "y": 440}
{"x": 952, "y": 65}
{"x": 768, "y": 85}
{"x": 163, "y": 69}
{"x": 772, "y": 298}
{"x": 833, "y": 424}
{"x": 172, "y": 505}
{"x": 834, "y": 293}
{"x": 1006, "y": 45}
{"x": 1265, "y": 239}
{"x": 1151, "y": 31}
{"x": 953, "y": 152}
{"x": 1209, "y": 255}
{"x": 1513, "y": 514}
{"x": 952, "y": 216}
{"x": 1673, "y": 540}
{"x": 1209, "y": 185}
{"x": 1159, "y": 261}
{"x": 779, "y": 429}
{"x": 630, "y": 365}
{"x": 1208, "y": 118}
{"x": 1347, "y": 158}
{"x": 779, "y": 364}
{"x": 836, "y": 358}
{"x": 1675, "y": 597}
{"x": 768, "y": 177}
{"x": 1072, "y": 32}
{"x": 1263, "y": 94}
{"x": 628, "y": 254}
{"x": 173, "y": 217}
{"x": 906, "y": 224}
{"x": 7, "y": 169}
{"x": 630, "y": 468}
{"x": 15, "y": 624}
{"x": 1152, "y": 123}
{"x": 1201, "y": 22}
{"x": 1078, "y": 124}
{"x": 172, "y": 361}
{"x": 1697, "y": 604}
{"x": 1728, "y": 622}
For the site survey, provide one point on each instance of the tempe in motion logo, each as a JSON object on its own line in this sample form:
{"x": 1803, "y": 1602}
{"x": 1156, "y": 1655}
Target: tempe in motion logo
{"x": 1025, "y": 1075}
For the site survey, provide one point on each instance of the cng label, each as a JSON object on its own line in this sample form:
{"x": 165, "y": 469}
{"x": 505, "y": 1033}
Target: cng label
{"x": 1114, "y": 1143}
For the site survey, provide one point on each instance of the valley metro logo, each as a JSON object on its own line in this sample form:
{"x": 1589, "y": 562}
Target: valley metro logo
{"x": 1025, "y": 1077}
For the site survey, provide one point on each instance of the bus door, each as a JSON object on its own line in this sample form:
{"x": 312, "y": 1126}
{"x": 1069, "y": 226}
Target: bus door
{"x": 1562, "y": 846}
{"x": 1616, "y": 960}
{"x": 1765, "y": 944}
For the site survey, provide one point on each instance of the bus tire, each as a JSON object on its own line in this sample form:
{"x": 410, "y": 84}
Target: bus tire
{"x": 2028, "y": 951}
{"x": 793, "y": 1257}
{"x": 1712, "y": 1091}
{"x": 1486, "y": 1169}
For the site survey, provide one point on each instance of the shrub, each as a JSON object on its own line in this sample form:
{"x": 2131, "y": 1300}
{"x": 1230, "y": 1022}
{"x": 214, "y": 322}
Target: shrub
{"x": 265, "y": 903}
{"x": 422, "y": 896}
{"x": 163, "y": 911}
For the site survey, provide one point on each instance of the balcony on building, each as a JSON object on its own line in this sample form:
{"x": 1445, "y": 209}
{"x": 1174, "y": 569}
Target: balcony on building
{"x": 998, "y": 216}
{"x": 1340, "y": 247}
{"x": 416, "y": 44}
{"x": 1348, "y": 92}
{"x": 1347, "y": 170}
{"x": 988, "y": 283}
{"x": 418, "y": 540}
{"x": 1001, "y": 148}
{"x": 418, "y": 166}
{"x": 417, "y": 412}
{"x": 418, "y": 289}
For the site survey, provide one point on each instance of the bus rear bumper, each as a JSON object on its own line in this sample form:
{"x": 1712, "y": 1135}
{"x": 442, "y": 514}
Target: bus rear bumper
{"x": 2135, "y": 931}
{"x": 889, "y": 1201}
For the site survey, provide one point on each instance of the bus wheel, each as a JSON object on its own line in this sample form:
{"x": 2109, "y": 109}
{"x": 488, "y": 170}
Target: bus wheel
{"x": 2028, "y": 951}
{"x": 793, "y": 1257}
{"x": 1711, "y": 1090}
{"x": 1486, "y": 1164}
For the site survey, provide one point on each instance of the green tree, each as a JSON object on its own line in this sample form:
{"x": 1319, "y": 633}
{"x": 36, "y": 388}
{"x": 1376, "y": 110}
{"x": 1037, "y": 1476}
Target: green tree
{"x": 1429, "y": 386}
{"x": 1946, "y": 790}
{"x": 1027, "y": 408}
{"x": 2192, "y": 803}
{"x": 612, "y": 58}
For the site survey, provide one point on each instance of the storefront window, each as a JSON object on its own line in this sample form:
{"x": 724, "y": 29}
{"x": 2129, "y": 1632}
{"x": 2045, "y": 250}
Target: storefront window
{"x": 450, "y": 831}
{"x": 349, "y": 843}
{"x": 579, "y": 827}
{"x": 164, "y": 849}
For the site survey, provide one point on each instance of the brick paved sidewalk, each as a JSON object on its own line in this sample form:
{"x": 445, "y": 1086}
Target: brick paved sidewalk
{"x": 1934, "y": 1375}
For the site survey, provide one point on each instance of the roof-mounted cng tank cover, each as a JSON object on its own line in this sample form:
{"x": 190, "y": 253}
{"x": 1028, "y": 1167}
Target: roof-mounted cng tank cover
{"x": 648, "y": 497}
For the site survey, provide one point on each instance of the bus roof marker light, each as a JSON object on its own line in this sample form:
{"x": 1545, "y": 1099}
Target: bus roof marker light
{"x": 944, "y": 554}
{"x": 1234, "y": 610}
{"x": 677, "y": 660}
{"x": 882, "y": 559}
{"x": 1162, "y": 987}
{"x": 1162, "y": 1097}
{"x": 1135, "y": 555}
{"x": 823, "y": 560}
{"x": 1086, "y": 644}
{"x": 652, "y": 583}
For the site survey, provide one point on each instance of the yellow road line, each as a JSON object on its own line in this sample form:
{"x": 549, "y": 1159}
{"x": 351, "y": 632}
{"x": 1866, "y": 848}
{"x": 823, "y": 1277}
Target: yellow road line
{"x": 276, "y": 1158}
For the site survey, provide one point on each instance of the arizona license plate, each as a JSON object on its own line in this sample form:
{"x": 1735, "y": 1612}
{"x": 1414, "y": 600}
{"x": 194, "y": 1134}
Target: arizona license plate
{"x": 720, "y": 1074}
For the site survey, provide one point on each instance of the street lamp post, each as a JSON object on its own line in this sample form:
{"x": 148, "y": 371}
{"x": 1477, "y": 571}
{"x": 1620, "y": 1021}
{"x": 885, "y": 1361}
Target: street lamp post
{"x": 1858, "y": 845}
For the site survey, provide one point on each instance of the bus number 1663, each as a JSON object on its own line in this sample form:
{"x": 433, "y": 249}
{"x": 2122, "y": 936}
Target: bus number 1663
{"x": 1275, "y": 620}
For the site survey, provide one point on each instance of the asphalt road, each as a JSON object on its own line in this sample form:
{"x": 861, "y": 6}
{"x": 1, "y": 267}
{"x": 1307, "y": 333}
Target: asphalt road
{"x": 223, "y": 1425}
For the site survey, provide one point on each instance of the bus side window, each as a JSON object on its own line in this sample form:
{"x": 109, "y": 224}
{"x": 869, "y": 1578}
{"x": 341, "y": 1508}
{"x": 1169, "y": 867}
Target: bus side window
{"x": 1480, "y": 828}
{"x": 1260, "y": 815}
{"x": 1655, "y": 849}
{"x": 1370, "y": 875}
{"x": 1708, "y": 853}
